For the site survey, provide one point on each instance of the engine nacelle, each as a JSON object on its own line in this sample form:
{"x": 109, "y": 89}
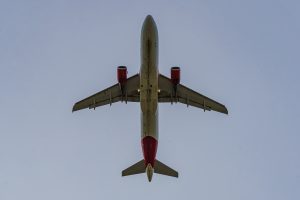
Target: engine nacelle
{"x": 175, "y": 75}
{"x": 122, "y": 75}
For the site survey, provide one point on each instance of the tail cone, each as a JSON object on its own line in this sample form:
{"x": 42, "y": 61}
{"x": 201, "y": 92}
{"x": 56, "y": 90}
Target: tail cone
{"x": 149, "y": 171}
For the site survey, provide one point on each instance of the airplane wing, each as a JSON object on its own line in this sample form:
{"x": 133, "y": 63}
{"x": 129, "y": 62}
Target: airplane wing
{"x": 112, "y": 94}
{"x": 182, "y": 94}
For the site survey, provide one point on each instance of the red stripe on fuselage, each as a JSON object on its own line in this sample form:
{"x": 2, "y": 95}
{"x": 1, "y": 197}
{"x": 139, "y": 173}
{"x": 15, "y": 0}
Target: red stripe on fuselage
{"x": 149, "y": 145}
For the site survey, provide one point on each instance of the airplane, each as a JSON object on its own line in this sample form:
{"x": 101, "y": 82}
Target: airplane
{"x": 149, "y": 87}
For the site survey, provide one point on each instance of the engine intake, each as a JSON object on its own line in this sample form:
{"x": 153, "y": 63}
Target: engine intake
{"x": 122, "y": 75}
{"x": 175, "y": 75}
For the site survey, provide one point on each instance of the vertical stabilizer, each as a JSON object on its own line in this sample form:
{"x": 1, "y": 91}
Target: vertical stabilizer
{"x": 149, "y": 171}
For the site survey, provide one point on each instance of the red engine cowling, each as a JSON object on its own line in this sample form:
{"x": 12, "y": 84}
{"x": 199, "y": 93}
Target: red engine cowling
{"x": 175, "y": 75}
{"x": 122, "y": 74}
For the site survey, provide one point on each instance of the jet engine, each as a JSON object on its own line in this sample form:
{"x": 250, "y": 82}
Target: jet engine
{"x": 175, "y": 75}
{"x": 122, "y": 75}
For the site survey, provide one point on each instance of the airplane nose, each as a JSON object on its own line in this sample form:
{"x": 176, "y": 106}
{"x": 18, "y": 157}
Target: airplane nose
{"x": 149, "y": 18}
{"x": 149, "y": 23}
{"x": 149, "y": 32}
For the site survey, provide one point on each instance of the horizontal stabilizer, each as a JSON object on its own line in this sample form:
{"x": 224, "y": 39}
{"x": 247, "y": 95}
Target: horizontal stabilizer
{"x": 161, "y": 168}
{"x": 137, "y": 168}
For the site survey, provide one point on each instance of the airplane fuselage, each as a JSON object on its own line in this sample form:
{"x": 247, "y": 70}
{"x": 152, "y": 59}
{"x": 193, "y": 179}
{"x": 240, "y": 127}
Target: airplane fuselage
{"x": 149, "y": 92}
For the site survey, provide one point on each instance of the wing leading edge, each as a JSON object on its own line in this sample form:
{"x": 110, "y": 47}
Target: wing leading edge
{"x": 112, "y": 94}
{"x": 185, "y": 95}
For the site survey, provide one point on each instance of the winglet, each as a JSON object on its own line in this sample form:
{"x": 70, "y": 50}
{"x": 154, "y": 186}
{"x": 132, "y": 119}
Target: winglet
{"x": 74, "y": 108}
{"x": 226, "y": 111}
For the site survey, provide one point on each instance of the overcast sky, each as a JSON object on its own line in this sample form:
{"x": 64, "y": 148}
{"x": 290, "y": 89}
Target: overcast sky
{"x": 244, "y": 54}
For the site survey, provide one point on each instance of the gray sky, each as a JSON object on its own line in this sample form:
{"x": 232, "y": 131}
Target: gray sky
{"x": 244, "y": 54}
